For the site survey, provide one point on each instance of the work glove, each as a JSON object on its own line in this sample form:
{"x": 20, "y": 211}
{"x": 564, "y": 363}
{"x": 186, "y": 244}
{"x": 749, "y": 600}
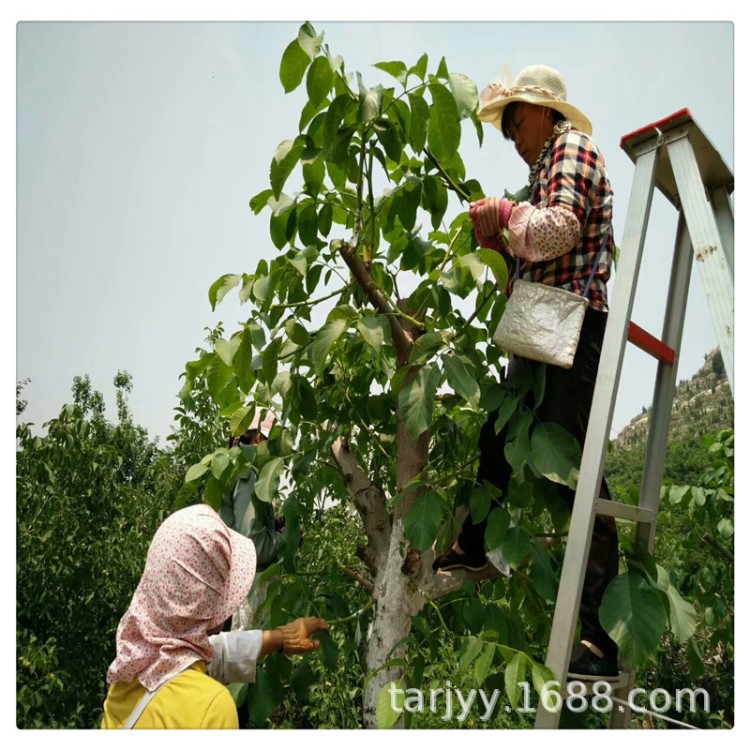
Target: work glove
{"x": 296, "y": 635}
{"x": 489, "y": 217}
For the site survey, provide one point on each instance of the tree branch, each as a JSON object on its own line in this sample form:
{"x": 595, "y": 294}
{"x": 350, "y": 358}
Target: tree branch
{"x": 718, "y": 547}
{"x": 434, "y": 585}
{"x": 366, "y": 584}
{"x": 401, "y": 339}
{"x": 369, "y": 501}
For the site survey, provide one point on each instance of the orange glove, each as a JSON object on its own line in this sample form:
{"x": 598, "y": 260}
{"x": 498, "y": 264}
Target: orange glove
{"x": 296, "y": 635}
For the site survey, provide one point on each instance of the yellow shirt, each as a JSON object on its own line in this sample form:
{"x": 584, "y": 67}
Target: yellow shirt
{"x": 192, "y": 700}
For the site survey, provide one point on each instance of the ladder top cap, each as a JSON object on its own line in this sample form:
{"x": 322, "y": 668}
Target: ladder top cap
{"x": 713, "y": 171}
{"x": 674, "y": 120}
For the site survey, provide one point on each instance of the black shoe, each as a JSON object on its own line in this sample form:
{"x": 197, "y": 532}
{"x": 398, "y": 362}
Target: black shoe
{"x": 589, "y": 666}
{"x": 452, "y": 560}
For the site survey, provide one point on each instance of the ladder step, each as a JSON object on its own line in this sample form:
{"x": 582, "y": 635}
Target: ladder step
{"x": 623, "y": 511}
{"x": 650, "y": 344}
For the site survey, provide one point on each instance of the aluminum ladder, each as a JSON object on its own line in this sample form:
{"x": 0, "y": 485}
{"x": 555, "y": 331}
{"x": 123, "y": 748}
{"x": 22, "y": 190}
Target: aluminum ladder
{"x": 674, "y": 155}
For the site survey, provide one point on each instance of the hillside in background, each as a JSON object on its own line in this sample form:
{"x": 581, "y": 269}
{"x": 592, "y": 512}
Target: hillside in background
{"x": 702, "y": 405}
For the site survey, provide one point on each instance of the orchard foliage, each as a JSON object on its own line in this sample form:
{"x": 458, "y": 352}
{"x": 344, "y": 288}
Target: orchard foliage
{"x": 89, "y": 496}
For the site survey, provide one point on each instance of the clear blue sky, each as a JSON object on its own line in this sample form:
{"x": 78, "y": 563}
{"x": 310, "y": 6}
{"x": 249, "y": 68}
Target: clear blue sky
{"x": 139, "y": 145}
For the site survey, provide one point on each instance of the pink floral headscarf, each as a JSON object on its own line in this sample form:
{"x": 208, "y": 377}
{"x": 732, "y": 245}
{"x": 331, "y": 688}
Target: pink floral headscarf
{"x": 198, "y": 571}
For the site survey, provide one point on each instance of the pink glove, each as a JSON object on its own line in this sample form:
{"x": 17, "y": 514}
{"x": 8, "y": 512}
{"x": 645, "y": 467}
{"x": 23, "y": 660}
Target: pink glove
{"x": 490, "y": 216}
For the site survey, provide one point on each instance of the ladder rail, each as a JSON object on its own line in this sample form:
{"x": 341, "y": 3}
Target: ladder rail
{"x": 722, "y": 207}
{"x": 709, "y": 251}
{"x": 597, "y": 435}
{"x": 665, "y": 385}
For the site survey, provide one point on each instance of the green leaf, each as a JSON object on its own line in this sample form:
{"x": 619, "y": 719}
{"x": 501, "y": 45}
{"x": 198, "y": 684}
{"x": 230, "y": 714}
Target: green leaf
{"x": 444, "y": 130}
{"x": 506, "y": 410}
{"x": 221, "y": 287}
{"x": 515, "y": 673}
{"x": 479, "y": 503}
{"x": 297, "y": 332}
{"x": 518, "y": 443}
{"x": 260, "y": 698}
{"x": 284, "y": 161}
{"x": 555, "y": 453}
{"x": 725, "y": 527}
{"x": 227, "y": 349}
{"x": 417, "y": 399}
{"x": 436, "y": 195}
{"x": 541, "y": 675}
{"x": 677, "y": 493}
{"x": 308, "y": 40}
{"x": 307, "y": 225}
{"x": 633, "y": 612}
{"x": 391, "y": 142}
{"x": 260, "y": 201}
{"x": 241, "y": 419}
{"x": 420, "y": 117}
{"x": 420, "y": 67}
{"x": 465, "y": 94}
{"x": 682, "y": 616}
{"x": 324, "y": 340}
{"x": 219, "y": 464}
{"x": 498, "y": 523}
{"x": 460, "y": 379}
{"x": 542, "y": 574}
{"x": 516, "y": 546}
{"x": 319, "y": 80}
{"x": 696, "y": 663}
{"x": 494, "y": 261}
{"x": 423, "y": 520}
{"x": 218, "y": 374}
{"x": 407, "y": 203}
{"x": 425, "y": 345}
{"x": 396, "y": 68}
{"x": 195, "y": 472}
{"x": 470, "y": 648}
{"x": 698, "y": 496}
{"x": 238, "y": 691}
{"x": 268, "y": 479}
{"x": 385, "y": 714}
{"x": 373, "y": 331}
{"x": 371, "y": 104}
{"x": 483, "y": 664}
{"x": 474, "y": 263}
{"x": 294, "y": 63}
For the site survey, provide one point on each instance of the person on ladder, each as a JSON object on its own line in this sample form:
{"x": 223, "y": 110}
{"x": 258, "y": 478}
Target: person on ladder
{"x": 562, "y": 236}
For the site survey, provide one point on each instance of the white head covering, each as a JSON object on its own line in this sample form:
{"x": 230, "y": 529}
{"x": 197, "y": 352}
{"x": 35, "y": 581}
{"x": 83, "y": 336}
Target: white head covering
{"x": 198, "y": 572}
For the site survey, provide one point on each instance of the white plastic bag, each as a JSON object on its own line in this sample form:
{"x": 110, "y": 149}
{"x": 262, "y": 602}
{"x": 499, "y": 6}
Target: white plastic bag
{"x": 542, "y": 323}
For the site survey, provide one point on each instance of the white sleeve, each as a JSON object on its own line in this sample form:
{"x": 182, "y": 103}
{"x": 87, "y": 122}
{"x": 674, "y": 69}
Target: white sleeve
{"x": 235, "y": 655}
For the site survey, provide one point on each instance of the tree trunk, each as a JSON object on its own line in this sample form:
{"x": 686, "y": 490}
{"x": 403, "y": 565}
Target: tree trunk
{"x": 397, "y": 600}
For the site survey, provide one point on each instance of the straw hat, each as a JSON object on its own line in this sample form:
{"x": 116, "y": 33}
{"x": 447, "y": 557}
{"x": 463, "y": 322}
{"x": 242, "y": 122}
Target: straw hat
{"x": 536, "y": 84}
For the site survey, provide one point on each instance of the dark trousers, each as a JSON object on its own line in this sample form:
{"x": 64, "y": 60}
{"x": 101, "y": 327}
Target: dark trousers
{"x": 567, "y": 402}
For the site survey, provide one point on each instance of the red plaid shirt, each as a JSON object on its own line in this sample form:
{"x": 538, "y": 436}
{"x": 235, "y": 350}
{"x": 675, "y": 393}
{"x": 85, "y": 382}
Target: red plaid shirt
{"x": 573, "y": 176}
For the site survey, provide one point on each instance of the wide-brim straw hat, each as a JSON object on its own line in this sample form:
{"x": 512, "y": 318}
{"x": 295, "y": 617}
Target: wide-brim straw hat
{"x": 536, "y": 84}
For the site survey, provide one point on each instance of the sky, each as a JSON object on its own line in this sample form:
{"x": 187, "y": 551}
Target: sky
{"x": 140, "y": 144}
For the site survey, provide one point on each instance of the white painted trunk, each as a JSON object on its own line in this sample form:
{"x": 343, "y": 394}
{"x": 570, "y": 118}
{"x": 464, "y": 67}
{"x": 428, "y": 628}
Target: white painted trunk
{"x": 397, "y": 600}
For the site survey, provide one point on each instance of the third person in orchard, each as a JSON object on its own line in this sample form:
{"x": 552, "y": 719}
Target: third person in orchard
{"x": 560, "y": 236}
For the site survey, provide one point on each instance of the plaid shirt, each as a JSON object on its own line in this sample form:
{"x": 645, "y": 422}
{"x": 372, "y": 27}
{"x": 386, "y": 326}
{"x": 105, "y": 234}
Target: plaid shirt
{"x": 574, "y": 176}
